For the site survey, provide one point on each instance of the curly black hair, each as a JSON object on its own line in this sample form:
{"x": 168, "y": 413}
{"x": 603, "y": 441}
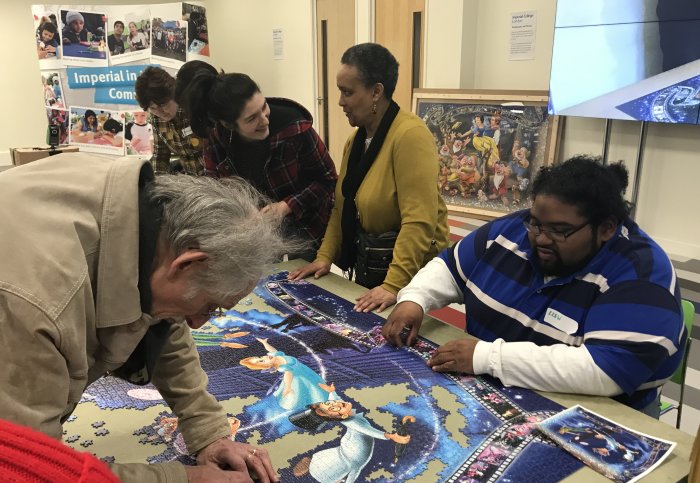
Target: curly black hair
{"x": 597, "y": 190}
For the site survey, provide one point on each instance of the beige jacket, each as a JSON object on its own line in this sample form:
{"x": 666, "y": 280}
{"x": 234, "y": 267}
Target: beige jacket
{"x": 69, "y": 301}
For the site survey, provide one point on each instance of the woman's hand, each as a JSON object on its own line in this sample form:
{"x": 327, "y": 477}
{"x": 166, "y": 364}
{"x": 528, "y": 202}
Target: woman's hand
{"x": 278, "y": 210}
{"x": 319, "y": 268}
{"x": 377, "y": 298}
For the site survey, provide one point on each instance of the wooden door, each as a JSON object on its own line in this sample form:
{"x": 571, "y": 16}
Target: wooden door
{"x": 335, "y": 27}
{"x": 399, "y": 26}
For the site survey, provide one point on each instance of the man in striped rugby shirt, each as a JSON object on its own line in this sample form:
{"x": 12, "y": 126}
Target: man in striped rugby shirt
{"x": 568, "y": 296}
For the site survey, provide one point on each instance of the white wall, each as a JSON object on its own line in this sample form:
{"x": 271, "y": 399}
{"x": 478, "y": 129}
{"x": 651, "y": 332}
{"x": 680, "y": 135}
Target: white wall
{"x": 241, "y": 33}
{"x": 493, "y": 70}
{"x": 443, "y": 43}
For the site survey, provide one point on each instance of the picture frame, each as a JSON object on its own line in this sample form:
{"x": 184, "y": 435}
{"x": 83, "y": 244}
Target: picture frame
{"x": 490, "y": 144}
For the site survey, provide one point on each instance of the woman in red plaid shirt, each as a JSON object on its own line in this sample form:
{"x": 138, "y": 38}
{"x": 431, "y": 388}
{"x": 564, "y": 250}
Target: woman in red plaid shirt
{"x": 271, "y": 143}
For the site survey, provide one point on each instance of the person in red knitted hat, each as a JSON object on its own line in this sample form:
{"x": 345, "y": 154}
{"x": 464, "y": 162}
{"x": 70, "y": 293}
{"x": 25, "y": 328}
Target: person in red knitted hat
{"x": 27, "y": 455}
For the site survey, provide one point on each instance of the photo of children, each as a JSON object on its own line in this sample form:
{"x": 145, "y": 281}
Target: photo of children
{"x": 614, "y": 451}
{"x": 115, "y": 41}
{"x": 129, "y": 34}
{"x": 47, "y": 36}
{"x": 97, "y": 131}
{"x": 59, "y": 117}
{"x": 139, "y": 134}
{"x": 197, "y": 30}
{"x": 53, "y": 93}
{"x": 83, "y": 37}
{"x": 170, "y": 40}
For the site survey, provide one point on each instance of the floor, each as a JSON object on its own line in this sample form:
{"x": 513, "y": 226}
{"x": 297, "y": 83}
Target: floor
{"x": 688, "y": 271}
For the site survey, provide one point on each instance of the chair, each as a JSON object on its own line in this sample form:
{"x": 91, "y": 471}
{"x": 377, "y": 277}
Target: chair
{"x": 679, "y": 376}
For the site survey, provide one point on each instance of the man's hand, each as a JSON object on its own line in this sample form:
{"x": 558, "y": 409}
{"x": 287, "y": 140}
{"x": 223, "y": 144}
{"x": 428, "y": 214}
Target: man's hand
{"x": 278, "y": 210}
{"x": 376, "y": 298}
{"x": 239, "y": 457}
{"x": 455, "y": 356}
{"x": 406, "y": 314}
{"x": 319, "y": 268}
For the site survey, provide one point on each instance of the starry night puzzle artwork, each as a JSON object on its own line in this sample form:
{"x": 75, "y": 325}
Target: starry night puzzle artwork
{"x": 292, "y": 344}
{"x": 678, "y": 103}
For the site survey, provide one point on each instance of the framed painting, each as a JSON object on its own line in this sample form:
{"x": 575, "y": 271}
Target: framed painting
{"x": 490, "y": 143}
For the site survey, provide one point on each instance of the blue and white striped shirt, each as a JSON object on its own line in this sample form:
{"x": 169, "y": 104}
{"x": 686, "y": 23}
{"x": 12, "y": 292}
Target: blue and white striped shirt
{"x": 624, "y": 305}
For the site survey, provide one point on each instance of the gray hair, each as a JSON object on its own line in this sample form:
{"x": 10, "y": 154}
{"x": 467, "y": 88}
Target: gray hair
{"x": 221, "y": 217}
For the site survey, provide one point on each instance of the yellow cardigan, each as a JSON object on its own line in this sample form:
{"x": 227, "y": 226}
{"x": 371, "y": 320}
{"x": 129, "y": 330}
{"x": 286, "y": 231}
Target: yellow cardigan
{"x": 399, "y": 193}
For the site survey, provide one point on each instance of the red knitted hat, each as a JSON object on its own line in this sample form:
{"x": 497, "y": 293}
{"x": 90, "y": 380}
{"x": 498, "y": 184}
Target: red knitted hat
{"x": 29, "y": 456}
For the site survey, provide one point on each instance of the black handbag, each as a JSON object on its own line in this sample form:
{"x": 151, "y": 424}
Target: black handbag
{"x": 374, "y": 254}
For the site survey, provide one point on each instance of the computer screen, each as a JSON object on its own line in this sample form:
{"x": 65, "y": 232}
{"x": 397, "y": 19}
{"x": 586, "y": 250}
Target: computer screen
{"x": 627, "y": 59}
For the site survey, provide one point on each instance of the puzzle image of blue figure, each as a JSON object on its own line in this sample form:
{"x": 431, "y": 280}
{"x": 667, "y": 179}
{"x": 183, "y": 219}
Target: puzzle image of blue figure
{"x": 303, "y": 375}
{"x": 615, "y": 451}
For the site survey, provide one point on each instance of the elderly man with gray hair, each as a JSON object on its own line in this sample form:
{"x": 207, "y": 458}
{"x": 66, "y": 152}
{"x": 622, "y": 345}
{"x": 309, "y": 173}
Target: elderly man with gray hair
{"x": 104, "y": 268}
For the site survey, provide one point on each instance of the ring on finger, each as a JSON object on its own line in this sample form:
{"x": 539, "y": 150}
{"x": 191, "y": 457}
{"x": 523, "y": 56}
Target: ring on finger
{"x": 251, "y": 453}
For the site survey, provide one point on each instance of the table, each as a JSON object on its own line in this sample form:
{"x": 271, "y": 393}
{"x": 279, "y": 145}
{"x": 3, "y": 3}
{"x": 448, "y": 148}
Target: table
{"x": 674, "y": 468}
{"x": 120, "y": 423}
{"x": 80, "y": 50}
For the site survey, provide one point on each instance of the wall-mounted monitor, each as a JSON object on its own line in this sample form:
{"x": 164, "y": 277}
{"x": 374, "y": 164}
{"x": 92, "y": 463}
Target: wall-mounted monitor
{"x": 627, "y": 59}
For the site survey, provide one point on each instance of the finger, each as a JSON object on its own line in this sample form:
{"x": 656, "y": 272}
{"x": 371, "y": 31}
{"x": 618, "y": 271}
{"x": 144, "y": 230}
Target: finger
{"x": 360, "y": 306}
{"x": 267, "y": 465}
{"x": 236, "y": 463}
{"x": 439, "y": 358}
{"x": 256, "y": 466}
{"x": 445, "y": 367}
{"x": 384, "y": 305}
{"x": 370, "y": 305}
{"x": 386, "y": 328}
{"x": 412, "y": 335}
{"x": 301, "y": 273}
{"x": 395, "y": 334}
{"x": 321, "y": 272}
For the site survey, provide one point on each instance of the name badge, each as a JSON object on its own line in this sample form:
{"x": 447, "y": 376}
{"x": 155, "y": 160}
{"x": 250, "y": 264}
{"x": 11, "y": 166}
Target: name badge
{"x": 560, "y": 321}
{"x": 187, "y": 131}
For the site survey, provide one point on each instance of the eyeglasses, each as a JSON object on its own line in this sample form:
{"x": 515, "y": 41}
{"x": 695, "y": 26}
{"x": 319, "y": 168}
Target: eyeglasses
{"x": 554, "y": 234}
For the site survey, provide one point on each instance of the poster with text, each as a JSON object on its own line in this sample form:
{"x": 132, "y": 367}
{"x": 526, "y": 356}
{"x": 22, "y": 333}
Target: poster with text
{"x": 83, "y": 37}
{"x": 128, "y": 33}
{"x": 96, "y": 130}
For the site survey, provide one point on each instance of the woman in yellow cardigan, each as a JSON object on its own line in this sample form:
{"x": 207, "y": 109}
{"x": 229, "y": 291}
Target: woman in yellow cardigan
{"x": 387, "y": 183}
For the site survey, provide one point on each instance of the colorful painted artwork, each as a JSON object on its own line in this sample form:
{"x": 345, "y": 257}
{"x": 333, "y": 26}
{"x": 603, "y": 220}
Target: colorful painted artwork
{"x": 302, "y": 374}
{"x": 490, "y": 146}
{"x": 617, "y": 452}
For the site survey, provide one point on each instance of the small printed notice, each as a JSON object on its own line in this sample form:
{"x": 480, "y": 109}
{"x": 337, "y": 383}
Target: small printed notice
{"x": 522, "y": 35}
{"x": 277, "y": 44}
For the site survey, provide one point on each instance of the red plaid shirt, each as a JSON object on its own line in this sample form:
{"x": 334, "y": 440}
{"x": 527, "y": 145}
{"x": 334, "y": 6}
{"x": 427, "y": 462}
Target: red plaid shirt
{"x": 298, "y": 171}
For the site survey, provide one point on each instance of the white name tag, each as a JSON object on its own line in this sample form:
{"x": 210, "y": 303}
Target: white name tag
{"x": 561, "y": 321}
{"x": 187, "y": 131}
